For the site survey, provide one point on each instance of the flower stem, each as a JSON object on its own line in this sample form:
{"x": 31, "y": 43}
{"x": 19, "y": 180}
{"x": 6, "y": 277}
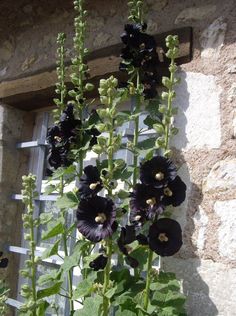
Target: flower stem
{"x": 169, "y": 108}
{"x": 64, "y": 239}
{"x": 148, "y": 279}
{"x": 106, "y": 301}
{"x": 136, "y": 133}
{"x": 32, "y": 251}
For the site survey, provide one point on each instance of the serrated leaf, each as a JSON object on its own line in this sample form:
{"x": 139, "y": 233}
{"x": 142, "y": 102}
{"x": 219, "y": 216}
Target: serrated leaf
{"x": 84, "y": 288}
{"x": 49, "y": 189}
{"x": 68, "y": 200}
{"x": 50, "y": 277}
{"x": 49, "y": 291}
{"x": 73, "y": 260}
{"x": 51, "y": 251}
{"x": 91, "y": 307}
{"x": 53, "y": 231}
{"x": 148, "y": 143}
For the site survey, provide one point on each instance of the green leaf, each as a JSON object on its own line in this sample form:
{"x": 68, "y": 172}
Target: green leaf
{"x": 53, "y": 231}
{"x": 42, "y": 308}
{"x": 64, "y": 171}
{"x": 111, "y": 292}
{"x": 92, "y": 307}
{"x": 68, "y": 200}
{"x": 49, "y": 291}
{"x": 84, "y": 288}
{"x": 51, "y": 251}
{"x": 50, "y": 277}
{"x": 73, "y": 260}
{"x": 150, "y": 121}
{"x": 45, "y": 218}
{"x": 122, "y": 194}
{"x": 49, "y": 189}
{"x": 148, "y": 143}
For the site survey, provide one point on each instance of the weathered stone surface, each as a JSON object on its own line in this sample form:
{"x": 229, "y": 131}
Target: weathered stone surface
{"x": 198, "y": 118}
{"x": 222, "y": 176}
{"x": 226, "y": 210}
{"x": 6, "y": 51}
{"x": 232, "y": 93}
{"x": 212, "y": 39}
{"x": 200, "y": 221}
{"x": 210, "y": 286}
{"x": 196, "y": 13}
{"x": 101, "y": 39}
{"x": 28, "y": 62}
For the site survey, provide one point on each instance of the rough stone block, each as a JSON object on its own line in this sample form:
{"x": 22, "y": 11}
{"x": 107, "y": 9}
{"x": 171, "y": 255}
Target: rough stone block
{"x": 212, "y": 39}
{"x": 222, "y": 176}
{"x": 226, "y": 210}
{"x": 210, "y": 286}
{"x": 200, "y": 221}
{"x": 196, "y": 13}
{"x": 198, "y": 118}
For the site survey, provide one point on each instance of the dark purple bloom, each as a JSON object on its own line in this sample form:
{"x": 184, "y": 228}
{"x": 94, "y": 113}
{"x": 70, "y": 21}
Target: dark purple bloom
{"x": 99, "y": 263}
{"x": 57, "y": 157}
{"x": 157, "y": 172}
{"x": 174, "y": 192}
{"x": 96, "y": 218}
{"x": 127, "y": 236}
{"x": 90, "y": 183}
{"x": 147, "y": 200}
{"x": 165, "y": 237}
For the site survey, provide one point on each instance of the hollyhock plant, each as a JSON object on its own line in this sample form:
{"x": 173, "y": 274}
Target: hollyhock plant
{"x": 90, "y": 183}
{"x": 96, "y": 218}
{"x": 157, "y": 172}
{"x": 3, "y": 261}
{"x": 174, "y": 192}
{"x": 99, "y": 263}
{"x": 147, "y": 200}
{"x": 165, "y": 237}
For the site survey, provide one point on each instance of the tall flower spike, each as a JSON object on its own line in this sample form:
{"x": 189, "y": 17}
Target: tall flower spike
{"x": 165, "y": 237}
{"x": 157, "y": 172}
{"x": 96, "y": 218}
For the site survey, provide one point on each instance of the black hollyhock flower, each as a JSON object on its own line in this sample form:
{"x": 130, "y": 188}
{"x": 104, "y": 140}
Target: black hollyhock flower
{"x": 99, "y": 263}
{"x": 54, "y": 135}
{"x": 90, "y": 183}
{"x": 127, "y": 236}
{"x": 3, "y": 261}
{"x": 165, "y": 237}
{"x": 94, "y": 133}
{"x": 146, "y": 199}
{"x": 57, "y": 157}
{"x": 175, "y": 192}
{"x": 96, "y": 218}
{"x": 157, "y": 172}
{"x": 142, "y": 239}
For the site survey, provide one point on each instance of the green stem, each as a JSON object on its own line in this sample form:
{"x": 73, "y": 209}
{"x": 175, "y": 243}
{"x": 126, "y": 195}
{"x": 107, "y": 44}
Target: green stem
{"x": 32, "y": 252}
{"x": 148, "y": 279}
{"x": 169, "y": 108}
{"x": 106, "y": 301}
{"x": 136, "y": 134}
{"x": 64, "y": 239}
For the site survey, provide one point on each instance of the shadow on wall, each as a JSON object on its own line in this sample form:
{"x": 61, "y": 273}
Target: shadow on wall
{"x": 186, "y": 264}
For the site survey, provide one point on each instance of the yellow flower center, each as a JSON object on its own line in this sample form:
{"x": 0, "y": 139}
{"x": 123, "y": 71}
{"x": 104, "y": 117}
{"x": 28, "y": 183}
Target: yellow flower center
{"x": 168, "y": 192}
{"x": 162, "y": 237}
{"x": 57, "y": 138}
{"x": 159, "y": 176}
{"x": 137, "y": 217}
{"x": 100, "y": 218}
{"x": 151, "y": 201}
{"x": 93, "y": 186}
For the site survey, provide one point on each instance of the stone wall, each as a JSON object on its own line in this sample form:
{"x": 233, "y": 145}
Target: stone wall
{"x": 205, "y": 147}
{"x": 15, "y": 125}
